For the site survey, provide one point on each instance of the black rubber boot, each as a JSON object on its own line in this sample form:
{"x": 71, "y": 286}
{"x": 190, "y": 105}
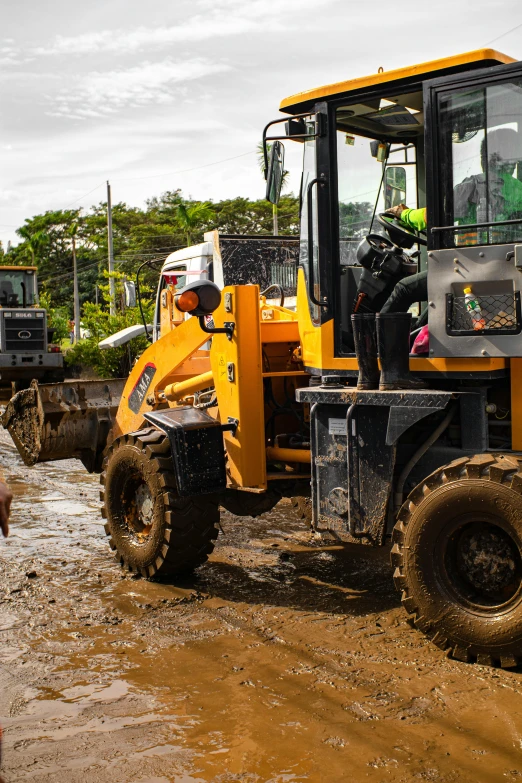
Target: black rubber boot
{"x": 365, "y": 339}
{"x": 393, "y": 341}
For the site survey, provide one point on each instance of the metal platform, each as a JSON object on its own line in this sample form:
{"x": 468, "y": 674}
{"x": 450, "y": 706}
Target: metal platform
{"x": 354, "y": 436}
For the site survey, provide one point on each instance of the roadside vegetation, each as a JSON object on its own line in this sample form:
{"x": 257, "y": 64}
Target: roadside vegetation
{"x": 167, "y": 223}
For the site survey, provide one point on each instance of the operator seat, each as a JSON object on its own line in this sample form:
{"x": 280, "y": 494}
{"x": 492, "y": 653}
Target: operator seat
{"x": 6, "y": 293}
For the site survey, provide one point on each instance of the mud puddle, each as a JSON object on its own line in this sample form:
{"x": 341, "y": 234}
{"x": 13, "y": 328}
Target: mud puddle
{"x": 284, "y": 659}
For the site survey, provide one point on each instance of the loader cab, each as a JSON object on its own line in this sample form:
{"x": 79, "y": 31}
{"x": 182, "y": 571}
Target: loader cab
{"x": 444, "y": 136}
{"x": 18, "y": 287}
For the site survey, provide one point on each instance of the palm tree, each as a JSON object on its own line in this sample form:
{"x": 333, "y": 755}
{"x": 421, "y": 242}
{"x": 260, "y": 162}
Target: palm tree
{"x": 34, "y": 241}
{"x": 190, "y": 217}
{"x": 284, "y": 180}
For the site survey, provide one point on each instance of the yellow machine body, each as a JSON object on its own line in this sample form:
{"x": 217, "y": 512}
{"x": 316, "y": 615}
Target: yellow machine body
{"x": 266, "y": 340}
{"x": 263, "y": 345}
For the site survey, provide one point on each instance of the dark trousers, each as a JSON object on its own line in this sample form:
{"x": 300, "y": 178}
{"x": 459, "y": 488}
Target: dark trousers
{"x": 408, "y": 291}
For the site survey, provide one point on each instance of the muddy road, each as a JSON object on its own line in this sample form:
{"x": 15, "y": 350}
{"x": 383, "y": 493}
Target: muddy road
{"x": 284, "y": 659}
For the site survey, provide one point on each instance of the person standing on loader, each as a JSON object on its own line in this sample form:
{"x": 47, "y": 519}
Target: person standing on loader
{"x": 496, "y": 195}
{"x": 498, "y": 192}
{"x": 387, "y": 334}
{"x": 414, "y": 288}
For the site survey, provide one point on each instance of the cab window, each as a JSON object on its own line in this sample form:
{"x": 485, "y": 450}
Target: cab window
{"x": 364, "y": 189}
{"x": 481, "y": 145}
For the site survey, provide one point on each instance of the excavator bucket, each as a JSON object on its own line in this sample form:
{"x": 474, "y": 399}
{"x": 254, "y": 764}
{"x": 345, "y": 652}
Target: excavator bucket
{"x": 63, "y": 420}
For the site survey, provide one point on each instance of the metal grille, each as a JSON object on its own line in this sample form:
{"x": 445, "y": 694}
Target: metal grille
{"x": 285, "y": 276}
{"x": 24, "y": 334}
{"x": 498, "y": 313}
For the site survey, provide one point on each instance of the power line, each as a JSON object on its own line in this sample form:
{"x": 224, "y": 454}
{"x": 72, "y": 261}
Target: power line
{"x": 80, "y": 197}
{"x": 52, "y": 278}
{"x": 185, "y": 171}
{"x": 503, "y": 34}
{"x": 91, "y": 264}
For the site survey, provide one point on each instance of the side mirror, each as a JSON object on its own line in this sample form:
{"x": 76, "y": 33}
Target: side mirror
{"x": 198, "y": 298}
{"x": 274, "y": 178}
{"x": 129, "y": 290}
{"x": 394, "y": 186}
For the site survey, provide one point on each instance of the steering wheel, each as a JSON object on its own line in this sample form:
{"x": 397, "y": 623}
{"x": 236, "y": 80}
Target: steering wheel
{"x": 398, "y": 233}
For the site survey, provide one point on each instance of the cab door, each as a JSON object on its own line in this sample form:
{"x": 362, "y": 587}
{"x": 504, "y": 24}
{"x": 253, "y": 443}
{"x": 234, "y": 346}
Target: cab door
{"x": 474, "y": 200}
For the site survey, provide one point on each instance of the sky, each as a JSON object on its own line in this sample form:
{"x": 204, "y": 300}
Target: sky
{"x": 168, "y": 94}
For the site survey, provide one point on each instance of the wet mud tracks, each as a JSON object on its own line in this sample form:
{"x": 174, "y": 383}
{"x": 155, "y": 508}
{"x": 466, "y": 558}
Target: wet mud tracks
{"x": 284, "y": 659}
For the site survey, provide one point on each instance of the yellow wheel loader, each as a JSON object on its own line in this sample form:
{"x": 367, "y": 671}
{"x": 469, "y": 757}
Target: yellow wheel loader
{"x": 246, "y": 401}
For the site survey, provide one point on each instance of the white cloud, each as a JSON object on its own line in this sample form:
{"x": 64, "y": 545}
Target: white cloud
{"x": 221, "y": 18}
{"x": 128, "y": 41}
{"x": 10, "y": 196}
{"x": 11, "y": 54}
{"x": 98, "y": 94}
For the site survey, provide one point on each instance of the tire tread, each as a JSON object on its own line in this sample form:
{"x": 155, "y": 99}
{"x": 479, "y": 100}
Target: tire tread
{"x": 501, "y": 469}
{"x": 190, "y": 523}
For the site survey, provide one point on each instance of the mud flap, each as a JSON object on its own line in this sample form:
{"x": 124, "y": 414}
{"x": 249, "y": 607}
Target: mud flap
{"x": 198, "y": 453}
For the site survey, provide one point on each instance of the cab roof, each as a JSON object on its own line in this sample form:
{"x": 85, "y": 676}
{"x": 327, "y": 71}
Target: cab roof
{"x": 302, "y": 101}
{"x": 18, "y": 268}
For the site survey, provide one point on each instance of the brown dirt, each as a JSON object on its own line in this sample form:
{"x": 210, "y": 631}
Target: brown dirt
{"x": 284, "y": 660}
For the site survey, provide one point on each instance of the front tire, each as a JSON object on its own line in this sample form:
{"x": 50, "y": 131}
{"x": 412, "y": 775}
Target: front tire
{"x": 153, "y": 531}
{"x": 457, "y": 552}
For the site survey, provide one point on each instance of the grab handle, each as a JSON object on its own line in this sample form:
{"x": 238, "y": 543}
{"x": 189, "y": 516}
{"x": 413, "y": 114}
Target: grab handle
{"x": 310, "y": 217}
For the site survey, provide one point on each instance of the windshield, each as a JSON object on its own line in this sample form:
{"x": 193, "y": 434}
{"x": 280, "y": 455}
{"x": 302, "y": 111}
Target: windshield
{"x": 361, "y": 188}
{"x": 17, "y": 288}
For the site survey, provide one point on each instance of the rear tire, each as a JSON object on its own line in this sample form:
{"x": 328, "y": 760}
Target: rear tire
{"x": 153, "y": 531}
{"x": 457, "y": 552}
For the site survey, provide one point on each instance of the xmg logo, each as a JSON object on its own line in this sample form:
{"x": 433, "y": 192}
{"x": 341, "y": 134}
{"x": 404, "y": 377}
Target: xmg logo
{"x": 139, "y": 392}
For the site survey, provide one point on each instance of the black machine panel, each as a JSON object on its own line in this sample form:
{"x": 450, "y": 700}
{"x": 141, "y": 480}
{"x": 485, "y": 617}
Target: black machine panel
{"x": 24, "y": 330}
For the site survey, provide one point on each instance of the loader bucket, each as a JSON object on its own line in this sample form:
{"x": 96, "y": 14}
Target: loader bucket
{"x": 63, "y": 420}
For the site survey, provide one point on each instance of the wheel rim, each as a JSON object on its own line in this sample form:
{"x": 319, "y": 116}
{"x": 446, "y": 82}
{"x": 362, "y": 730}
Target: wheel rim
{"x": 137, "y": 508}
{"x": 482, "y": 563}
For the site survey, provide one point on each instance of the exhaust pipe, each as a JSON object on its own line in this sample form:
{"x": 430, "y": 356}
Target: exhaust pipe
{"x": 69, "y": 420}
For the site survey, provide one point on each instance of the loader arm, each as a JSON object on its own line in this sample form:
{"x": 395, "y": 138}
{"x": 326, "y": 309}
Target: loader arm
{"x": 174, "y": 357}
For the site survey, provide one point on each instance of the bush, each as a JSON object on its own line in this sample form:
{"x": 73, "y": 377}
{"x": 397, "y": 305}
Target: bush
{"x": 57, "y": 318}
{"x": 112, "y": 362}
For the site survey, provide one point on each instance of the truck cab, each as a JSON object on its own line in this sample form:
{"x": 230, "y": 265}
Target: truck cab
{"x": 267, "y": 261}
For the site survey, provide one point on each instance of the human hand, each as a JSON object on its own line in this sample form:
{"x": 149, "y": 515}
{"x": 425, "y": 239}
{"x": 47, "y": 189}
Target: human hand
{"x": 396, "y": 211}
{"x": 6, "y": 497}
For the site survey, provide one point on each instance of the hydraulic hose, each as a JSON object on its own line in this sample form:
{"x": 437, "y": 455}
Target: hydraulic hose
{"x": 405, "y": 472}
{"x": 151, "y": 262}
{"x": 279, "y": 289}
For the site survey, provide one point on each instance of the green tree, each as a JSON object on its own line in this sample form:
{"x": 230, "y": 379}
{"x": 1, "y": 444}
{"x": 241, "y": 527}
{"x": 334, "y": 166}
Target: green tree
{"x": 35, "y": 241}
{"x": 192, "y": 217}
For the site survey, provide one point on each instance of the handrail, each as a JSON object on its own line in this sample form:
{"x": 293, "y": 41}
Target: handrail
{"x": 468, "y": 226}
{"x": 310, "y": 218}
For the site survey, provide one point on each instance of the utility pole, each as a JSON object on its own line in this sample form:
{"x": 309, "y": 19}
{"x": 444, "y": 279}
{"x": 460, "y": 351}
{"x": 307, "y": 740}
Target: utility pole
{"x": 76, "y": 294}
{"x": 112, "y": 286}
